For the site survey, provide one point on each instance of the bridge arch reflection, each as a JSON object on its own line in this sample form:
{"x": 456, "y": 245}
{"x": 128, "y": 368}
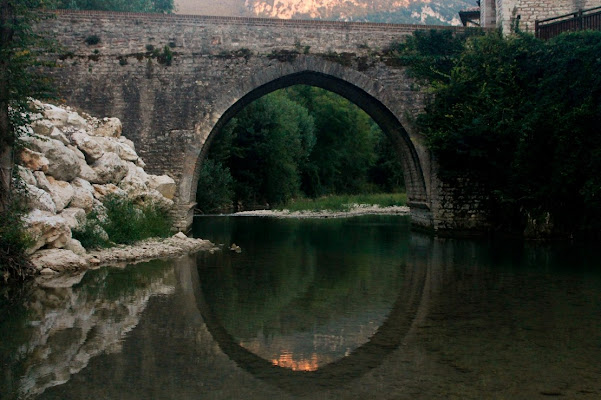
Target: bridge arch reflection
{"x": 408, "y": 309}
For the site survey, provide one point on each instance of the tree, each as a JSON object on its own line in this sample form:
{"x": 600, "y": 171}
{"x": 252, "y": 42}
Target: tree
{"x": 20, "y": 79}
{"x": 521, "y": 117}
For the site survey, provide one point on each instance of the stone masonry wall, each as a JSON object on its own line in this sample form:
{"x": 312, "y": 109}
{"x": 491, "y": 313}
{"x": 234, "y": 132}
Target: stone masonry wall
{"x": 173, "y": 80}
{"x": 531, "y": 10}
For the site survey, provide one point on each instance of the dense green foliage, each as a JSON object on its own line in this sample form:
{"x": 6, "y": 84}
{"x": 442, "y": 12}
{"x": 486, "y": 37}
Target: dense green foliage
{"x": 297, "y": 142}
{"x": 21, "y": 55}
{"x": 124, "y": 222}
{"x": 13, "y": 243}
{"x": 157, "y": 6}
{"x": 523, "y": 118}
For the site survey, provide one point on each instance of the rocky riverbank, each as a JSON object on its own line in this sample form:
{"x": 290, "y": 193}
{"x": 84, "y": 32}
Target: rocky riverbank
{"x": 70, "y": 164}
{"x": 354, "y": 210}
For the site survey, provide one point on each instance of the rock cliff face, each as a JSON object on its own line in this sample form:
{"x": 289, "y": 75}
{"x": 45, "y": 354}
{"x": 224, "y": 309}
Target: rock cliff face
{"x": 439, "y": 12}
{"x": 70, "y": 163}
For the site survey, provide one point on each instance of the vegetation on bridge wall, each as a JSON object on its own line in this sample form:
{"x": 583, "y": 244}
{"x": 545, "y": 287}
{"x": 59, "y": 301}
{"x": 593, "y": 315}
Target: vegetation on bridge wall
{"x": 159, "y": 6}
{"x": 522, "y": 117}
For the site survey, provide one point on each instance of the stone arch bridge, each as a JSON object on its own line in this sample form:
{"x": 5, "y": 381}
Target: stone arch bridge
{"x": 175, "y": 80}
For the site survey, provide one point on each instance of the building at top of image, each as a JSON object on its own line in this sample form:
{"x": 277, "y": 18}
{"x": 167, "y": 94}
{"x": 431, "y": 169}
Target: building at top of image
{"x": 523, "y": 14}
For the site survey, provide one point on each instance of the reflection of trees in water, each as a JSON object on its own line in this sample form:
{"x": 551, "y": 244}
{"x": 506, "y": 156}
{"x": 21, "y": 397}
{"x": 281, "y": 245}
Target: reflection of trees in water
{"x": 302, "y": 274}
{"x": 67, "y": 327}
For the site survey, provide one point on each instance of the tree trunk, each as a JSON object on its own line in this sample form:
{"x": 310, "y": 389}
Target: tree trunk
{"x": 7, "y": 138}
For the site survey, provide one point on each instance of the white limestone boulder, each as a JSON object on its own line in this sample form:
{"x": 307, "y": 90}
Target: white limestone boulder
{"x": 61, "y": 192}
{"x": 77, "y": 121}
{"x": 57, "y": 134}
{"x": 75, "y": 246}
{"x": 75, "y": 217}
{"x": 110, "y": 169}
{"x": 126, "y": 152}
{"x": 101, "y": 191}
{"x": 38, "y": 199}
{"x": 124, "y": 140}
{"x": 86, "y": 172}
{"x": 135, "y": 183}
{"x": 42, "y": 127}
{"x": 58, "y": 260}
{"x": 156, "y": 198}
{"x": 33, "y": 160}
{"x": 164, "y": 184}
{"x": 83, "y": 194}
{"x": 109, "y": 127}
{"x": 90, "y": 148}
{"x": 56, "y": 115}
{"x": 46, "y": 229}
{"x": 26, "y": 175}
{"x": 107, "y": 144}
{"x": 63, "y": 163}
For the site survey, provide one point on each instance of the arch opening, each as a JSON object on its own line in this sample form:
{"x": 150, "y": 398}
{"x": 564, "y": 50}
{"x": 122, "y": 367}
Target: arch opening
{"x": 415, "y": 182}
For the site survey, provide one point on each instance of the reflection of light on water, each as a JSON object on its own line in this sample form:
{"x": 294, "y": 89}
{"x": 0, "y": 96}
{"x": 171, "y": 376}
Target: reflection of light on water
{"x": 286, "y": 360}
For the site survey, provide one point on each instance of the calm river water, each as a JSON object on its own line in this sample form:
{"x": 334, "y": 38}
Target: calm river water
{"x": 358, "y": 308}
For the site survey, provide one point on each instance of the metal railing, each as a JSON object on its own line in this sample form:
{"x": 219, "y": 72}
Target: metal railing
{"x": 578, "y": 21}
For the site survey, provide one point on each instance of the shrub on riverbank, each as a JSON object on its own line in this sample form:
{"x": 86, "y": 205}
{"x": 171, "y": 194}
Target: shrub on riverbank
{"x": 521, "y": 117}
{"x": 345, "y": 202}
{"x": 14, "y": 262}
{"x": 123, "y": 222}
